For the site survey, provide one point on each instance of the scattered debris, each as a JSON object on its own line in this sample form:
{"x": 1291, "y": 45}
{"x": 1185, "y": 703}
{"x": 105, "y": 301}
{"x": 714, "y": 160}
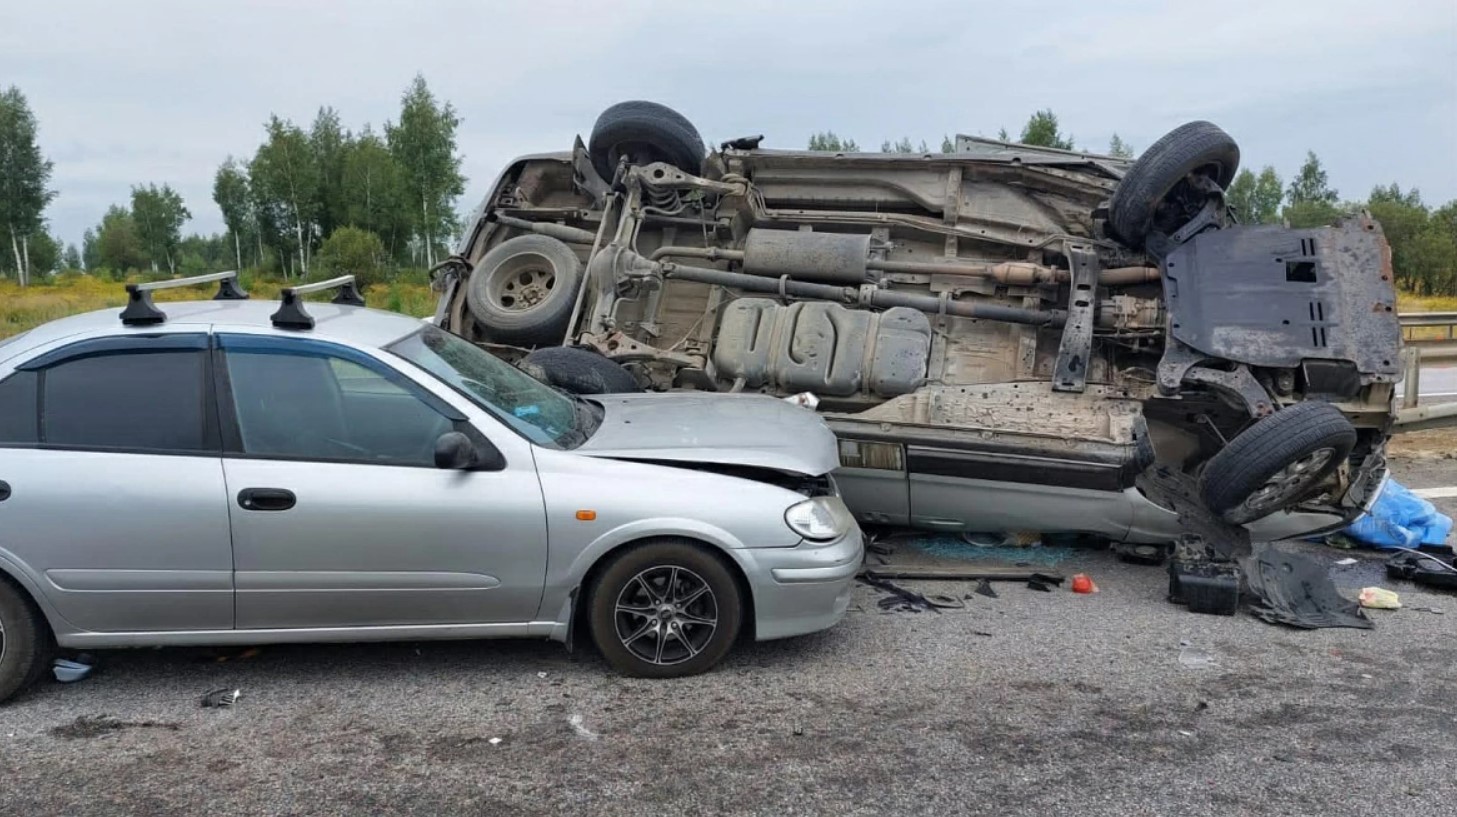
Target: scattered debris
{"x": 576, "y": 724}
{"x": 1140, "y": 554}
{"x": 984, "y": 588}
{"x": 798, "y": 730}
{"x": 804, "y": 400}
{"x": 92, "y": 726}
{"x": 541, "y": 675}
{"x": 1346, "y": 562}
{"x": 494, "y": 741}
{"x": 1195, "y": 657}
{"x": 69, "y": 671}
{"x": 1202, "y": 578}
{"x": 1186, "y": 733}
{"x": 908, "y": 601}
{"x": 1379, "y": 598}
{"x": 1036, "y": 583}
{"x": 241, "y": 655}
{"x": 1082, "y": 583}
{"x": 1297, "y": 590}
{"x": 1422, "y": 568}
{"x": 219, "y": 698}
{"x": 1013, "y": 574}
{"x": 1433, "y": 610}
{"x": 1401, "y": 519}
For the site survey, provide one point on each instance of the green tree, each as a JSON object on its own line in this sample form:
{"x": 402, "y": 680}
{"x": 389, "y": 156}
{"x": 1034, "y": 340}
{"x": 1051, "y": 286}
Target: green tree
{"x": 1423, "y": 247}
{"x": 1118, "y": 147}
{"x": 45, "y": 253}
{"x": 1257, "y": 198}
{"x": 947, "y": 146}
{"x": 230, "y": 191}
{"x": 374, "y": 194}
{"x": 352, "y": 251}
{"x": 1003, "y": 136}
{"x": 25, "y": 177}
{"x": 424, "y": 144}
{"x": 830, "y": 143}
{"x": 90, "y": 250}
{"x": 71, "y": 259}
{"x": 285, "y": 185}
{"x": 1310, "y": 183}
{"x": 117, "y": 245}
{"x": 1042, "y": 130}
{"x": 329, "y": 144}
{"x": 159, "y": 215}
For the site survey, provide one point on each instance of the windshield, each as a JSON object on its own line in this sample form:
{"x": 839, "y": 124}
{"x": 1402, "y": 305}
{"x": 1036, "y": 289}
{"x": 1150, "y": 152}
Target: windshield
{"x": 536, "y": 411}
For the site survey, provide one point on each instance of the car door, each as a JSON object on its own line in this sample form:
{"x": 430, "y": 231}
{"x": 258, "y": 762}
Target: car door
{"x": 340, "y": 517}
{"x": 113, "y": 496}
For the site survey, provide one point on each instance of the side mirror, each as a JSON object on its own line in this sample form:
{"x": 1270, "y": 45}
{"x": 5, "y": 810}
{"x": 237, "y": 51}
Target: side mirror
{"x": 455, "y": 451}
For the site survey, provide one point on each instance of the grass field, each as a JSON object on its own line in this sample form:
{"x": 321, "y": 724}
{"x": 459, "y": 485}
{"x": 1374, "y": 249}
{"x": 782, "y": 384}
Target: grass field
{"x": 24, "y": 307}
{"x": 1406, "y": 302}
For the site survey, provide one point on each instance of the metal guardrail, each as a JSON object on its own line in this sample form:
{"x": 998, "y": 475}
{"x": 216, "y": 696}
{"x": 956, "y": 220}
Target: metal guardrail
{"x": 1434, "y": 333}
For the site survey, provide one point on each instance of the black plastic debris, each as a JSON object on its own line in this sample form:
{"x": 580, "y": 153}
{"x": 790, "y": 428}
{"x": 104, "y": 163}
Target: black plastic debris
{"x": 1422, "y": 568}
{"x": 1297, "y": 591}
{"x": 1036, "y": 583}
{"x": 1202, "y": 579}
{"x": 899, "y": 599}
{"x": 984, "y": 588}
{"x": 220, "y": 698}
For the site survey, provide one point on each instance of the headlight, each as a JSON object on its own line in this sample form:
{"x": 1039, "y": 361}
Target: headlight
{"x": 822, "y": 518}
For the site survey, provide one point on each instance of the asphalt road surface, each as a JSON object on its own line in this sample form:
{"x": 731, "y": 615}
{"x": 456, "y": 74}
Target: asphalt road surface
{"x": 1438, "y": 383}
{"x": 1030, "y": 703}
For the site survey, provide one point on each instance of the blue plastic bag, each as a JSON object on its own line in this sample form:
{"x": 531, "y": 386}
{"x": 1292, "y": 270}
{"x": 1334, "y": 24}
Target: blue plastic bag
{"x": 1401, "y": 519}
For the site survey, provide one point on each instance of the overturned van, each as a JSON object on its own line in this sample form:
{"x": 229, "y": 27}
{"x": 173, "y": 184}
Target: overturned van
{"x": 1003, "y": 338}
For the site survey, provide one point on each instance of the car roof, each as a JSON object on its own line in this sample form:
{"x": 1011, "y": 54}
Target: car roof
{"x": 353, "y": 324}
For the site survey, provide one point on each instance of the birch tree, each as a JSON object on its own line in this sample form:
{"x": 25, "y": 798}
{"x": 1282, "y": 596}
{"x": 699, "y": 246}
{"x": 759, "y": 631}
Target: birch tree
{"x": 424, "y": 144}
{"x": 159, "y": 214}
{"x": 286, "y": 186}
{"x": 230, "y": 191}
{"x": 24, "y": 179}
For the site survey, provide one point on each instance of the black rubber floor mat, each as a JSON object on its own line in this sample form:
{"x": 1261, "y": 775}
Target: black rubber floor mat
{"x": 1423, "y": 568}
{"x": 1296, "y": 590}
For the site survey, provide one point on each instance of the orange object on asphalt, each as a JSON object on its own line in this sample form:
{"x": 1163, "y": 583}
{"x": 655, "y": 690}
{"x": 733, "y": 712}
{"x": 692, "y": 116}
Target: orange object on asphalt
{"x": 1083, "y": 584}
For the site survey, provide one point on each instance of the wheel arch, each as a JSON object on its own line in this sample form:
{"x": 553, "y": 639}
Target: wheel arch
{"x": 579, "y": 610}
{"x": 25, "y": 584}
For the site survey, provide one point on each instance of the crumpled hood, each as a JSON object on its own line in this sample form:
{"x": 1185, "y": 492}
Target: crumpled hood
{"x": 731, "y": 429}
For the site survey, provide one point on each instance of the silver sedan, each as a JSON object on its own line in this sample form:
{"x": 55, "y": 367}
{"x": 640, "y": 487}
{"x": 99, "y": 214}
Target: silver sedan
{"x": 222, "y": 475}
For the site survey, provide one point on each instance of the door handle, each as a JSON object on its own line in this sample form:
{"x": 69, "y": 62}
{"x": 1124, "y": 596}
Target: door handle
{"x": 266, "y": 499}
{"x": 4, "y": 490}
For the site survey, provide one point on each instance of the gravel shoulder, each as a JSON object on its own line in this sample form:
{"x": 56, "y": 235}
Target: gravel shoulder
{"x": 1030, "y": 703}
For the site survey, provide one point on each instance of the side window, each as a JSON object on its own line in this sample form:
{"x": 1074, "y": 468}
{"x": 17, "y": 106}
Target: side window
{"x": 300, "y": 400}
{"x": 19, "y": 409}
{"x": 136, "y": 401}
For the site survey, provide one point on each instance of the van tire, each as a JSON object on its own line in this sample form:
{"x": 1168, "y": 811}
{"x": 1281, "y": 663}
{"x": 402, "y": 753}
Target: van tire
{"x": 1193, "y": 147}
{"x": 523, "y": 290}
{"x": 578, "y": 370}
{"x": 1284, "y": 455}
{"x": 645, "y": 132}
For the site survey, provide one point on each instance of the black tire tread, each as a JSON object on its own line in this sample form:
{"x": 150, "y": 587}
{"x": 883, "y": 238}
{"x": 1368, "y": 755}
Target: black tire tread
{"x": 1154, "y": 174}
{"x": 547, "y": 322}
{"x": 668, "y": 131}
{"x": 626, "y": 563}
{"x": 27, "y": 637}
{"x": 1262, "y": 449}
{"x": 578, "y": 370}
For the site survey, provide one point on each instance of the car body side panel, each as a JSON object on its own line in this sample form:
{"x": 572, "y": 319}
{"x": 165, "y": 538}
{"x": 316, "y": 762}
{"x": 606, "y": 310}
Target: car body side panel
{"x": 144, "y": 544}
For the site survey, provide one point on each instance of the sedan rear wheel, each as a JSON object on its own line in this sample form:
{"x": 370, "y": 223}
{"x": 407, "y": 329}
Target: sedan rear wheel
{"x": 665, "y": 609}
{"x": 23, "y": 638}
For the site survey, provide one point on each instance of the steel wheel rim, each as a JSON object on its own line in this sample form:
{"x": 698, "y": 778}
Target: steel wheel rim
{"x": 1291, "y": 480}
{"x": 665, "y": 615}
{"x": 522, "y": 282}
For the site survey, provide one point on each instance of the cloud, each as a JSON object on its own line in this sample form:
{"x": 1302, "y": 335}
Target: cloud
{"x": 153, "y": 91}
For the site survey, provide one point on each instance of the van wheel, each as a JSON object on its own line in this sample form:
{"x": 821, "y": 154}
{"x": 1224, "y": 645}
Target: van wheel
{"x": 523, "y": 290}
{"x": 665, "y": 609}
{"x": 578, "y": 370}
{"x": 644, "y": 132}
{"x": 1276, "y": 462}
{"x": 1149, "y": 194}
{"x": 23, "y": 638}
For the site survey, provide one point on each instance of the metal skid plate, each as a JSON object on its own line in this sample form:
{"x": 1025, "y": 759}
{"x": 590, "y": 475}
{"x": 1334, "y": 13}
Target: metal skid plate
{"x": 1271, "y": 296}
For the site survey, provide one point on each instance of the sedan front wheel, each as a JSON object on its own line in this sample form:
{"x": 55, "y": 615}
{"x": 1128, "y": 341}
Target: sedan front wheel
{"x": 665, "y": 609}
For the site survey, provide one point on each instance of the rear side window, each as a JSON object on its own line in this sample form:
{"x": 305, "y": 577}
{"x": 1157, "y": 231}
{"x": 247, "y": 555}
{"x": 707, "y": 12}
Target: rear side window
{"x": 19, "y": 413}
{"x": 146, "y": 401}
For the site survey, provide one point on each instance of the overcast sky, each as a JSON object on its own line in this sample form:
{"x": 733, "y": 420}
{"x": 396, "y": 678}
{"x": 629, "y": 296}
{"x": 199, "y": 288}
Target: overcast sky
{"x": 138, "y": 91}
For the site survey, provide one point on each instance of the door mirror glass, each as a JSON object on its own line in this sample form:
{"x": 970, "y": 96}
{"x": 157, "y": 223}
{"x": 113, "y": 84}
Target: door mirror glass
{"x": 455, "y": 451}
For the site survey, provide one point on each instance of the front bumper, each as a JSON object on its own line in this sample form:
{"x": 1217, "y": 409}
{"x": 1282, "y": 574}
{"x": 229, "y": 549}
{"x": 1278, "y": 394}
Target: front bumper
{"x": 803, "y": 589}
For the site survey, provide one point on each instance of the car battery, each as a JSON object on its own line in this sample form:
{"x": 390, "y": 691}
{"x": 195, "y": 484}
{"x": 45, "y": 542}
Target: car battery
{"x": 1200, "y": 582}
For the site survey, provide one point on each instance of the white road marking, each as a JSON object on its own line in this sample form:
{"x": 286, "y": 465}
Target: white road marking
{"x": 1444, "y": 492}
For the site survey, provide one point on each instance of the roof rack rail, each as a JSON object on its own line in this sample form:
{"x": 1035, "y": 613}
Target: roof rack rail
{"x": 140, "y": 311}
{"x": 291, "y": 314}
